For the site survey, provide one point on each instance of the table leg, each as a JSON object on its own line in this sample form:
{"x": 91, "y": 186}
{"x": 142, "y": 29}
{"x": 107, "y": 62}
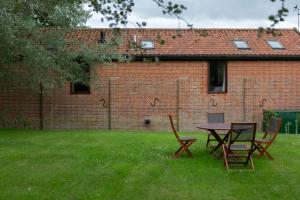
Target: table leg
{"x": 218, "y": 138}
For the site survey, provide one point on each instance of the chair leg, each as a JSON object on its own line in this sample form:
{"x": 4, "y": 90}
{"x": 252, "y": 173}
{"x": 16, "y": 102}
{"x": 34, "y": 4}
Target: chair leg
{"x": 180, "y": 152}
{"x": 259, "y": 148}
{"x": 267, "y": 154}
{"x": 263, "y": 151}
{"x": 176, "y": 154}
{"x": 184, "y": 148}
{"x": 252, "y": 165}
{"x": 188, "y": 145}
{"x": 190, "y": 154}
{"x": 225, "y": 158}
{"x": 256, "y": 147}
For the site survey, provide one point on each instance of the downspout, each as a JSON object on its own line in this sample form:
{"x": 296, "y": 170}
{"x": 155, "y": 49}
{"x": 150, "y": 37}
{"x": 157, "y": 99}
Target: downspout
{"x": 41, "y": 107}
{"x": 177, "y": 107}
{"x": 109, "y": 104}
{"x": 244, "y": 99}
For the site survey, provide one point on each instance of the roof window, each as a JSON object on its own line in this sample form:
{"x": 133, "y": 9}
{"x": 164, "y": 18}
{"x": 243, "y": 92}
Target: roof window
{"x": 275, "y": 44}
{"x": 241, "y": 44}
{"x": 147, "y": 44}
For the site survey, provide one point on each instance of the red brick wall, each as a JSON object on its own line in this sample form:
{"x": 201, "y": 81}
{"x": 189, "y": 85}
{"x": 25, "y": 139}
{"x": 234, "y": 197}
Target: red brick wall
{"x": 19, "y": 108}
{"x": 134, "y": 86}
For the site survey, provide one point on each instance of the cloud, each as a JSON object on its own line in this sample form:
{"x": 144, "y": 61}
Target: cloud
{"x": 209, "y": 13}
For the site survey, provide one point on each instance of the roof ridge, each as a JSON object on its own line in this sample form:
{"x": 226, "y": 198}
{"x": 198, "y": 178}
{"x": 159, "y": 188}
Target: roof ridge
{"x": 185, "y": 29}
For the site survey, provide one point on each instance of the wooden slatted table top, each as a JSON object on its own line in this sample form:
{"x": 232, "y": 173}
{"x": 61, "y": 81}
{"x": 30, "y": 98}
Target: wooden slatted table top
{"x": 214, "y": 126}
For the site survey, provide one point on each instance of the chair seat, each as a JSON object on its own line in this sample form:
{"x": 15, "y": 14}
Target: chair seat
{"x": 262, "y": 140}
{"x": 238, "y": 147}
{"x": 237, "y": 155}
{"x": 187, "y": 138}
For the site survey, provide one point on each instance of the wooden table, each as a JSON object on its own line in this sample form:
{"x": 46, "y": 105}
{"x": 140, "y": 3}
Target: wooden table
{"x": 213, "y": 128}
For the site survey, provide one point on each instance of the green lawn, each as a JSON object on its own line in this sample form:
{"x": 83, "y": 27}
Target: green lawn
{"x": 133, "y": 165}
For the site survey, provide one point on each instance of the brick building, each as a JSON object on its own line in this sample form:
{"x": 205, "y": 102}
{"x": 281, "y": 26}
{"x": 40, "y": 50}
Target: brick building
{"x": 198, "y": 76}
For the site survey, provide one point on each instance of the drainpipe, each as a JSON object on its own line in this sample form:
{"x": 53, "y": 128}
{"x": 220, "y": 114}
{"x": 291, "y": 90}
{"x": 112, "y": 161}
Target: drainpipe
{"x": 244, "y": 99}
{"x": 41, "y": 107}
{"x": 109, "y": 104}
{"x": 177, "y": 107}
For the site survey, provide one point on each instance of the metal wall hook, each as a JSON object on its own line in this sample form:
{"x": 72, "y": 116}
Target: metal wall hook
{"x": 103, "y": 104}
{"x": 262, "y": 104}
{"x": 156, "y": 100}
{"x": 213, "y": 103}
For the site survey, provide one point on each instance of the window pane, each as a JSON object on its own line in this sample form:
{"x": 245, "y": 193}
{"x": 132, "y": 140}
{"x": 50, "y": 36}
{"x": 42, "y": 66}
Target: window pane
{"x": 241, "y": 44}
{"x": 275, "y": 44}
{"x": 217, "y": 77}
{"x": 80, "y": 88}
{"x": 215, "y": 118}
{"x": 147, "y": 44}
{"x": 84, "y": 73}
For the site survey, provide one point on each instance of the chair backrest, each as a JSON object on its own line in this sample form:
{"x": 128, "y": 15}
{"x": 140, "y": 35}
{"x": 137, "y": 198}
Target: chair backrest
{"x": 273, "y": 129}
{"x": 173, "y": 128}
{"x": 242, "y": 132}
{"x": 274, "y": 125}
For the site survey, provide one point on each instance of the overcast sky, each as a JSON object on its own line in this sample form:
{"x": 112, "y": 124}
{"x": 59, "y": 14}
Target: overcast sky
{"x": 209, "y": 14}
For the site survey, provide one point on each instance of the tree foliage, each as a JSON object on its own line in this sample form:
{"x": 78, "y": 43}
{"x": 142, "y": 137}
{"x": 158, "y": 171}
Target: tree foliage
{"x": 35, "y": 49}
{"x": 281, "y": 14}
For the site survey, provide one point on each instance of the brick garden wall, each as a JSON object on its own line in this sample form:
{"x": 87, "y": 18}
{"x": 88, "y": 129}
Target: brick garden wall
{"x": 19, "y": 108}
{"x": 181, "y": 90}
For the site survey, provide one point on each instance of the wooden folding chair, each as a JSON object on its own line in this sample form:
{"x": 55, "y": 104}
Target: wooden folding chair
{"x": 240, "y": 145}
{"x": 184, "y": 141}
{"x": 261, "y": 145}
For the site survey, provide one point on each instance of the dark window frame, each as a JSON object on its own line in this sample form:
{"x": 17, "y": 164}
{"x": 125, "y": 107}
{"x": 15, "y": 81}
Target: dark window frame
{"x": 85, "y": 92}
{"x": 101, "y": 39}
{"x": 72, "y": 92}
{"x": 208, "y": 77}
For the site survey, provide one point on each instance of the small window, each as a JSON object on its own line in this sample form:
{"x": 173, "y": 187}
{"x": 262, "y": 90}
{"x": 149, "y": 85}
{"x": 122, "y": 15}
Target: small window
{"x": 275, "y": 44}
{"x": 215, "y": 118}
{"x": 241, "y": 44}
{"x": 147, "y": 44}
{"x": 80, "y": 88}
{"x": 217, "y": 75}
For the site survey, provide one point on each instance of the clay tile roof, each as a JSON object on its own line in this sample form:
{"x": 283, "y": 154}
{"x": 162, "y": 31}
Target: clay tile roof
{"x": 200, "y": 42}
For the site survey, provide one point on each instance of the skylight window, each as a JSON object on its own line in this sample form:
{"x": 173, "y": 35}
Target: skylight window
{"x": 147, "y": 44}
{"x": 241, "y": 44}
{"x": 275, "y": 44}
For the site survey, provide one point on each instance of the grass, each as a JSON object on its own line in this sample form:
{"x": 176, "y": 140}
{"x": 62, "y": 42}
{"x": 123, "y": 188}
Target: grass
{"x": 133, "y": 165}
